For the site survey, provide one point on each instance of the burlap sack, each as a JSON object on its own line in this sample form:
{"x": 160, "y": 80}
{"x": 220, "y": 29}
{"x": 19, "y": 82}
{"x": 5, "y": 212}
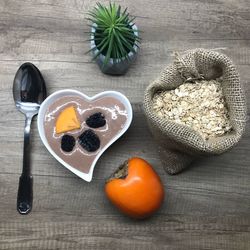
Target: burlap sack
{"x": 179, "y": 145}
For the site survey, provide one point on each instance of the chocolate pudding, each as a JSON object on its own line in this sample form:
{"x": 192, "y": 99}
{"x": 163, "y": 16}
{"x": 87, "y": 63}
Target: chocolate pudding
{"x": 80, "y": 155}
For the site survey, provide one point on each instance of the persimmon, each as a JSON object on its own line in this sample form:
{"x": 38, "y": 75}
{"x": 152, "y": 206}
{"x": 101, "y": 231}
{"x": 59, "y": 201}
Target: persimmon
{"x": 135, "y": 188}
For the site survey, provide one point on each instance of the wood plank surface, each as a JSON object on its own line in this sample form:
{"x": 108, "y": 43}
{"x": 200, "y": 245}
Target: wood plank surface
{"x": 206, "y": 207}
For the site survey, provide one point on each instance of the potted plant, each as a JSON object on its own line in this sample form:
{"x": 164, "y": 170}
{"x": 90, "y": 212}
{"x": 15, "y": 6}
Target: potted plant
{"x": 114, "y": 38}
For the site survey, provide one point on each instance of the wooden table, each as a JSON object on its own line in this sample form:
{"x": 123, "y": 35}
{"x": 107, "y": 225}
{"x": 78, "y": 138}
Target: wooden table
{"x": 206, "y": 207}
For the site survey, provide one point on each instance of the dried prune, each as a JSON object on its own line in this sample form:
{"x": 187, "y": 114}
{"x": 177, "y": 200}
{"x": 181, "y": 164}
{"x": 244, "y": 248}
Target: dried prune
{"x": 96, "y": 120}
{"x": 89, "y": 140}
{"x": 67, "y": 143}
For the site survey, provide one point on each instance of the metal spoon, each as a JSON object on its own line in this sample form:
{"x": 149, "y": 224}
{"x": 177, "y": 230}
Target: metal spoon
{"x": 29, "y": 91}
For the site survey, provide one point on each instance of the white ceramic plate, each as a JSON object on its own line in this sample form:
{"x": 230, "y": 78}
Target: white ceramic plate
{"x": 52, "y": 98}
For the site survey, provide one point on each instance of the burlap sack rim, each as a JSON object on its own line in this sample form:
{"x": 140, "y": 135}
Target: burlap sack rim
{"x": 205, "y": 146}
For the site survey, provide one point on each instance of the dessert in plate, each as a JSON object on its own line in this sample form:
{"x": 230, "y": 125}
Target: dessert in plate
{"x": 77, "y": 129}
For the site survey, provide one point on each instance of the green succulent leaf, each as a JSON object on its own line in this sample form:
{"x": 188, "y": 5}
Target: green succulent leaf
{"x": 114, "y": 36}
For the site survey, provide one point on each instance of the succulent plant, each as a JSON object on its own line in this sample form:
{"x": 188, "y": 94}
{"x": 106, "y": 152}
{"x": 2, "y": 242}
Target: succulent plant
{"x": 114, "y": 36}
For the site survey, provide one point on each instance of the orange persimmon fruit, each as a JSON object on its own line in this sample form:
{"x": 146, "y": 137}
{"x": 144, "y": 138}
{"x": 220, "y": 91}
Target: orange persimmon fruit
{"x": 67, "y": 120}
{"x": 135, "y": 189}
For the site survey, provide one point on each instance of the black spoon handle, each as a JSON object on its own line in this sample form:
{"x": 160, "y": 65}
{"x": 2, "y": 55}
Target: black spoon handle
{"x": 25, "y": 194}
{"x": 25, "y": 189}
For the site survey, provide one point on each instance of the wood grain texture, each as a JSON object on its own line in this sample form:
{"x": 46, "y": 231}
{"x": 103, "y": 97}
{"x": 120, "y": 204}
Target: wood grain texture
{"x": 206, "y": 207}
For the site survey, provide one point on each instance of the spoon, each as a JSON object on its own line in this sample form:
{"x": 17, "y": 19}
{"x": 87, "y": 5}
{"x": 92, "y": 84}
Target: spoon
{"x": 29, "y": 91}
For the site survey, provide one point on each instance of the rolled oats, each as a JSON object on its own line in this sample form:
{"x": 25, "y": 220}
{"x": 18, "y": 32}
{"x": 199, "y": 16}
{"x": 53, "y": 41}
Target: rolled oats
{"x": 199, "y": 105}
